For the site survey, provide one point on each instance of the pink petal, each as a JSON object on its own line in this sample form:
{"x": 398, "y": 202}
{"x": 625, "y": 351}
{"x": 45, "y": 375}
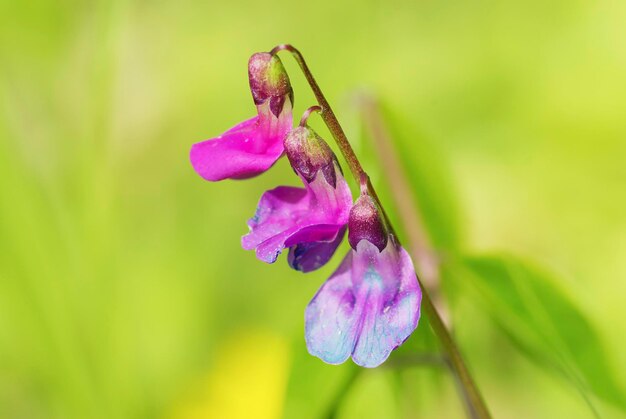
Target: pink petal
{"x": 300, "y": 217}
{"x": 246, "y": 150}
{"x": 274, "y": 220}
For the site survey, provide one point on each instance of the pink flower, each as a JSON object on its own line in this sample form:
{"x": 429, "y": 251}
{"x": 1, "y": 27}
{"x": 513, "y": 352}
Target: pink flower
{"x": 371, "y": 304}
{"x": 252, "y": 146}
{"x": 310, "y": 221}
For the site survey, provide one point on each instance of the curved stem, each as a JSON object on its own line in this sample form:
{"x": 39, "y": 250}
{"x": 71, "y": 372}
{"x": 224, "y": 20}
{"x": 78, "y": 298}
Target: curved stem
{"x": 307, "y": 113}
{"x": 329, "y": 118}
{"x": 476, "y": 405}
{"x": 327, "y": 114}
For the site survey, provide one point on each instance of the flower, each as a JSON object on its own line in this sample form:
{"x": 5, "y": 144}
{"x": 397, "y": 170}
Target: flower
{"x": 253, "y": 146}
{"x": 310, "y": 221}
{"x": 371, "y": 304}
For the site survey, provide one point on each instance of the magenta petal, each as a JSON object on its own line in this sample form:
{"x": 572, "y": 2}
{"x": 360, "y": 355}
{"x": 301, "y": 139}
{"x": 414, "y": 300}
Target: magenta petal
{"x": 273, "y": 222}
{"x": 246, "y": 150}
{"x": 307, "y": 220}
{"x": 366, "y": 309}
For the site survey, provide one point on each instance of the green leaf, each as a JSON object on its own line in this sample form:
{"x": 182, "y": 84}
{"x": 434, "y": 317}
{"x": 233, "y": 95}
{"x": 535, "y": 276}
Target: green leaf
{"x": 541, "y": 321}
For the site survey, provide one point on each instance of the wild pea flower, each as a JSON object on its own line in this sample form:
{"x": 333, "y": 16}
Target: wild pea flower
{"x": 254, "y": 145}
{"x": 371, "y": 303}
{"x": 310, "y": 221}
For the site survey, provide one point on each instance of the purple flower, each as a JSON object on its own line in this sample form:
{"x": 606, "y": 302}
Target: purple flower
{"x": 253, "y": 146}
{"x": 371, "y": 303}
{"x": 310, "y": 221}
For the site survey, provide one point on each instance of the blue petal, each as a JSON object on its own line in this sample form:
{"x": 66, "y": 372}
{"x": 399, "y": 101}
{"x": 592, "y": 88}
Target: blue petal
{"x": 366, "y": 309}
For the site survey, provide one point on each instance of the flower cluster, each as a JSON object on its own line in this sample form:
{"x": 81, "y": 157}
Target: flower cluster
{"x": 370, "y": 304}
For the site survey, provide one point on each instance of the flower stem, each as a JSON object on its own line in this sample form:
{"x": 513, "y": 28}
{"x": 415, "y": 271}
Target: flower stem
{"x": 307, "y": 113}
{"x": 327, "y": 114}
{"x": 329, "y": 118}
{"x": 476, "y": 405}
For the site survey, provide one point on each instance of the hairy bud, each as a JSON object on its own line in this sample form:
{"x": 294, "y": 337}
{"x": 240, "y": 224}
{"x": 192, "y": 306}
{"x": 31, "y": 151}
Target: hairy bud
{"x": 269, "y": 81}
{"x": 365, "y": 223}
{"x": 308, "y": 153}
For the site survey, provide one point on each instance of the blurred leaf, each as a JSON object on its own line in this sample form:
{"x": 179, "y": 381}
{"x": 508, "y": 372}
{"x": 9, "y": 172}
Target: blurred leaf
{"x": 541, "y": 320}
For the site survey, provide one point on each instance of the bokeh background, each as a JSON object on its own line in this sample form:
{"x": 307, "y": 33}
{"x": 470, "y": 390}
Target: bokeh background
{"x": 124, "y": 292}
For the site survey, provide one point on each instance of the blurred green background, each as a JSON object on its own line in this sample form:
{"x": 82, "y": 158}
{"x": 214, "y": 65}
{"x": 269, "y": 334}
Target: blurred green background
{"x": 124, "y": 292}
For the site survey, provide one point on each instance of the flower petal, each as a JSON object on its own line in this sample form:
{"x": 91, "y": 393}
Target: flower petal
{"x": 366, "y": 309}
{"x": 392, "y": 297}
{"x": 246, "y": 150}
{"x": 332, "y": 202}
{"x": 331, "y": 318}
{"x": 308, "y": 256}
{"x": 314, "y": 233}
{"x": 275, "y": 220}
{"x": 306, "y": 219}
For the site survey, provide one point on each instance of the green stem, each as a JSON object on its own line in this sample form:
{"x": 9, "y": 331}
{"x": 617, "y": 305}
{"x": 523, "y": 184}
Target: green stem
{"x": 332, "y": 411}
{"x": 327, "y": 114}
{"x": 476, "y": 405}
{"x": 329, "y": 118}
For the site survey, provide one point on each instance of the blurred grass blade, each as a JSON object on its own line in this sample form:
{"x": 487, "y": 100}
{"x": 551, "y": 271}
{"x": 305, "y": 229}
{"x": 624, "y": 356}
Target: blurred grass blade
{"x": 310, "y": 376}
{"x": 542, "y": 321}
{"x": 422, "y": 249}
{"x": 429, "y": 177}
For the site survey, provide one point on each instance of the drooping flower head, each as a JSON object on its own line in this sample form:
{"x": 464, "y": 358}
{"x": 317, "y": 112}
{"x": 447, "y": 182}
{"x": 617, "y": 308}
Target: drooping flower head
{"x": 253, "y": 146}
{"x": 310, "y": 221}
{"x": 371, "y": 303}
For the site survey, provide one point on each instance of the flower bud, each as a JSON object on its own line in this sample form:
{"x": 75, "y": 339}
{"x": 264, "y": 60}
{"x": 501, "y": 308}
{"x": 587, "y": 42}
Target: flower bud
{"x": 365, "y": 223}
{"x": 308, "y": 153}
{"x": 269, "y": 80}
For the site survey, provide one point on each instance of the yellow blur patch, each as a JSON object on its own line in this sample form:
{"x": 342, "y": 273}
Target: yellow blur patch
{"x": 248, "y": 380}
